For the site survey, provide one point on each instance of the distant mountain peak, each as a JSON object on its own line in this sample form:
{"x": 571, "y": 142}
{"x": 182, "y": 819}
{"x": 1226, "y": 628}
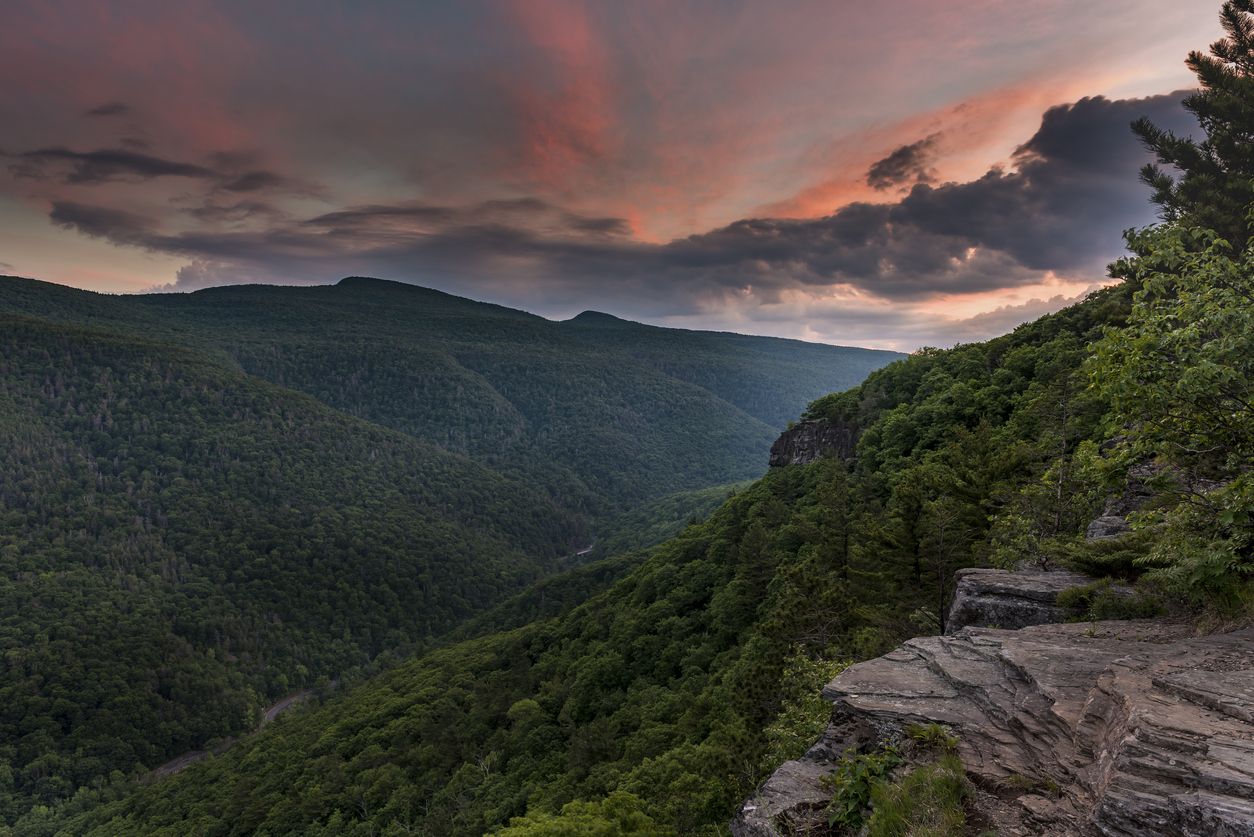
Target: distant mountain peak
{"x": 601, "y": 320}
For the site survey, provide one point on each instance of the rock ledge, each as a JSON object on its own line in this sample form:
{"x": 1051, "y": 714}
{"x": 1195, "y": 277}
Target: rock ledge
{"x": 997, "y": 598}
{"x": 1143, "y": 730}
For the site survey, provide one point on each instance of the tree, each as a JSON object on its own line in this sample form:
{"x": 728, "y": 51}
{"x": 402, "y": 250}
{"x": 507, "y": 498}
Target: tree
{"x": 834, "y": 514}
{"x": 1180, "y": 378}
{"x": 1216, "y": 181}
{"x": 948, "y": 543}
{"x": 616, "y": 815}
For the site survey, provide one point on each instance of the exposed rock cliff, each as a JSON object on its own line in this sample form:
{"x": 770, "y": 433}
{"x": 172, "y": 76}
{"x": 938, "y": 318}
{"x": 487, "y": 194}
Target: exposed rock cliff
{"x": 1144, "y": 732}
{"x": 1142, "y": 729}
{"x": 804, "y": 443}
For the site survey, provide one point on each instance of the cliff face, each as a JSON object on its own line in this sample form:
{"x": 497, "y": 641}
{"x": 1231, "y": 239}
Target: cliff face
{"x": 807, "y": 442}
{"x": 1115, "y": 728}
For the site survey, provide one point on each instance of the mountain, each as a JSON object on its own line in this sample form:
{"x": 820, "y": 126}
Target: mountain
{"x": 602, "y": 423}
{"x": 770, "y": 378}
{"x": 180, "y": 543}
{"x": 670, "y": 693}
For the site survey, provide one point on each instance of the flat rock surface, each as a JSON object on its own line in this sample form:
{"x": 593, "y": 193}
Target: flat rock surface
{"x": 1118, "y": 728}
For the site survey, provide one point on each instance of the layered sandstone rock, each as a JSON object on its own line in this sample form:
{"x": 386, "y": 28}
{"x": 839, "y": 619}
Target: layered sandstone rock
{"x": 997, "y": 598}
{"x": 1141, "y": 729}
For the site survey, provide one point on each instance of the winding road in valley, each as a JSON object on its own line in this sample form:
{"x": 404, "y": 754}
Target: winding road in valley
{"x": 188, "y": 759}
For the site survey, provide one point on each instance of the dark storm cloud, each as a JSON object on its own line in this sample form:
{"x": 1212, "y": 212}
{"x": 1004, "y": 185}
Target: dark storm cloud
{"x": 358, "y": 217}
{"x": 1074, "y": 191}
{"x": 1071, "y": 192}
{"x": 519, "y": 219}
{"x": 605, "y": 226}
{"x": 114, "y": 225}
{"x": 908, "y": 163}
{"x": 111, "y": 109}
{"x": 108, "y": 164}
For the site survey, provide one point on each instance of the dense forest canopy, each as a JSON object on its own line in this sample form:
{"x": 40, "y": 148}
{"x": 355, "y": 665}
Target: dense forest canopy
{"x": 664, "y": 681}
{"x": 603, "y": 416}
{"x": 181, "y": 542}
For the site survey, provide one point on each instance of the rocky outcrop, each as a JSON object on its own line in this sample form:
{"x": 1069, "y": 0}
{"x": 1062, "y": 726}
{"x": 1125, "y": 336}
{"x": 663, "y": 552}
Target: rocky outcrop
{"x": 806, "y": 442}
{"x": 1113, "y": 522}
{"x": 1118, "y": 728}
{"x": 997, "y": 598}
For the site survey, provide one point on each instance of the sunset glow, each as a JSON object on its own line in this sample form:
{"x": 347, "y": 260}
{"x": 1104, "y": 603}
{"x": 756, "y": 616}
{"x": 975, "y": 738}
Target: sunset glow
{"x": 807, "y": 169}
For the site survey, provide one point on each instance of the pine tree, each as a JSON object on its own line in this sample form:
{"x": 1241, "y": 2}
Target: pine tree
{"x": 1216, "y": 183}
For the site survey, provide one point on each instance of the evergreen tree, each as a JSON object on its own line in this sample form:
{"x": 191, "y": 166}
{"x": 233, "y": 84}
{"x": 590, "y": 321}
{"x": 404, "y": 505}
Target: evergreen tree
{"x": 1216, "y": 182}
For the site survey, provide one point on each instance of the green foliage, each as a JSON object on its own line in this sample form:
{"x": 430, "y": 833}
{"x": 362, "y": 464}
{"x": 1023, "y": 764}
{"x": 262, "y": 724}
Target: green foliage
{"x": 804, "y": 714}
{"x": 181, "y": 544}
{"x": 936, "y": 736}
{"x": 1017, "y": 782}
{"x": 1115, "y": 557}
{"x": 1216, "y": 182}
{"x": 769, "y": 378}
{"x": 853, "y": 782}
{"x": 929, "y": 802}
{"x": 661, "y": 686}
{"x": 1178, "y": 376}
{"x": 1103, "y": 600}
{"x": 616, "y": 815}
{"x": 658, "y": 520}
{"x": 602, "y": 418}
{"x": 1045, "y": 519}
{"x": 673, "y": 675}
{"x": 1210, "y": 573}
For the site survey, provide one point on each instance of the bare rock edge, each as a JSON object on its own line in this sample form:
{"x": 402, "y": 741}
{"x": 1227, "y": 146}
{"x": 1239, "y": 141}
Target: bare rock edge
{"x": 1142, "y": 729}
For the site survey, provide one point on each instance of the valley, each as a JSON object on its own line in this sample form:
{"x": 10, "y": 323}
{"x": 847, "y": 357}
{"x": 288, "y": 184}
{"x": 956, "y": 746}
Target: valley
{"x": 654, "y": 672}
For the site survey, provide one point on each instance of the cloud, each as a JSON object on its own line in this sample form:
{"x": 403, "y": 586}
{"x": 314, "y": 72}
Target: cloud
{"x": 1050, "y": 218}
{"x": 111, "y": 109}
{"x": 1003, "y": 319}
{"x": 525, "y": 221}
{"x": 254, "y": 181}
{"x": 214, "y": 213}
{"x": 115, "y": 225}
{"x": 907, "y": 163}
{"x": 91, "y": 167}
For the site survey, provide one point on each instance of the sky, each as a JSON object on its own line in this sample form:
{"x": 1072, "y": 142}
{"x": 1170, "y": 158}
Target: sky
{"x": 892, "y": 175}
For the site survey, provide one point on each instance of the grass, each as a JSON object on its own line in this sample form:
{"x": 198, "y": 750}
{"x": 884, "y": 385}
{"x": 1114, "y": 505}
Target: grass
{"x": 1103, "y": 600}
{"x": 929, "y": 802}
{"x": 935, "y": 736}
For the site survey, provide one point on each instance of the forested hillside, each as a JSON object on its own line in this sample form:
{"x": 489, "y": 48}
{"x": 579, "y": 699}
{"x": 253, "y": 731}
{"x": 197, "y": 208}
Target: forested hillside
{"x": 601, "y": 424}
{"x": 668, "y": 686}
{"x": 180, "y": 542}
{"x": 767, "y": 377}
